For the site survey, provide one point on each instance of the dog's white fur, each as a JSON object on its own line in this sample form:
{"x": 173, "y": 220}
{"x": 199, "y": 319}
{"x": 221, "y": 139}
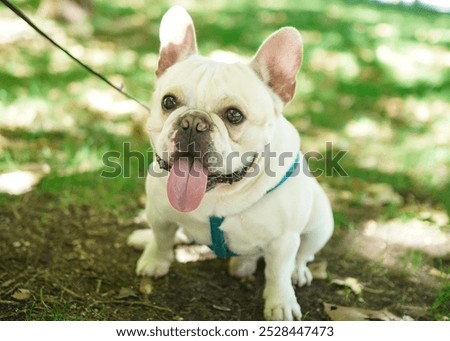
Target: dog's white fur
{"x": 287, "y": 226}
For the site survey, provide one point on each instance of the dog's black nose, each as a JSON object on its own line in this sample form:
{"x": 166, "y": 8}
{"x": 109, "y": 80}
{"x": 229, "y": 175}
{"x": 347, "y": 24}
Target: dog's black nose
{"x": 198, "y": 123}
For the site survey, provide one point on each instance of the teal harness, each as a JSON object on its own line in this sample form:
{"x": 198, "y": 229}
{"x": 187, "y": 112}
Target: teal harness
{"x": 219, "y": 246}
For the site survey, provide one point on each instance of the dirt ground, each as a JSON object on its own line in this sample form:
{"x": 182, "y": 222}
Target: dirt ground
{"x": 73, "y": 263}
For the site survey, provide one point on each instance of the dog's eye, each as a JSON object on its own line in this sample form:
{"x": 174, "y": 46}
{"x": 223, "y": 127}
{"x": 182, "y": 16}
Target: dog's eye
{"x": 169, "y": 102}
{"x": 234, "y": 116}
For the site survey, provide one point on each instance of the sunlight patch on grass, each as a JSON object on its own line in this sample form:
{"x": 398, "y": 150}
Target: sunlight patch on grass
{"x": 367, "y": 128}
{"x": 13, "y": 29}
{"x": 335, "y": 64}
{"x": 109, "y": 103}
{"x": 413, "y": 234}
{"x": 415, "y": 111}
{"x": 24, "y": 113}
{"x": 35, "y": 114}
{"x": 81, "y": 160}
{"x": 422, "y": 65}
{"x": 373, "y": 196}
{"x": 410, "y": 137}
{"x": 18, "y": 182}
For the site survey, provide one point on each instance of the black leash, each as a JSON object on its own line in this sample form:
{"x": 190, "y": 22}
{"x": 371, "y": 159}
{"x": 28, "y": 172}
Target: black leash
{"x": 23, "y": 16}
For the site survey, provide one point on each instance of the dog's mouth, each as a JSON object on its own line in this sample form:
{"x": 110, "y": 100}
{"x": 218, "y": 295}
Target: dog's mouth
{"x": 214, "y": 178}
{"x": 189, "y": 180}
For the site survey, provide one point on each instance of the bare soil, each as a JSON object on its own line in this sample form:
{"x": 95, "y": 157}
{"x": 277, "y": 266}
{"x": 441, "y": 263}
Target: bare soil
{"x": 72, "y": 263}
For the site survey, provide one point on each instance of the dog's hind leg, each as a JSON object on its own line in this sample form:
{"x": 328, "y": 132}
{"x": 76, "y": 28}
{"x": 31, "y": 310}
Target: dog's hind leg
{"x": 310, "y": 244}
{"x": 140, "y": 238}
{"x": 243, "y": 266}
{"x": 318, "y": 232}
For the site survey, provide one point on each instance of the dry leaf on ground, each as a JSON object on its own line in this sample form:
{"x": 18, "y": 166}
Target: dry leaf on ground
{"x": 21, "y": 294}
{"x": 340, "y": 313}
{"x": 126, "y": 293}
{"x": 351, "y": 283}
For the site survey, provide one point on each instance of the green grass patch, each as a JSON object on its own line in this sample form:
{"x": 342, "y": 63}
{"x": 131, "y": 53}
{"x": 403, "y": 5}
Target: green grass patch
{"x": 441, "y": 306}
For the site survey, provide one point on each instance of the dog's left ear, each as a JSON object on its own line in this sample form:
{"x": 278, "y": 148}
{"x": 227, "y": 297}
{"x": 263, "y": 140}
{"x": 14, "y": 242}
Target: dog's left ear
{"x": 177, "y": 36}
{"x": 278, "y": 61}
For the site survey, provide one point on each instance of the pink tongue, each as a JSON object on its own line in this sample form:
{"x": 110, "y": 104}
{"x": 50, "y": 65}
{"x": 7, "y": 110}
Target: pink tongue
{"x": 187, "y": 184}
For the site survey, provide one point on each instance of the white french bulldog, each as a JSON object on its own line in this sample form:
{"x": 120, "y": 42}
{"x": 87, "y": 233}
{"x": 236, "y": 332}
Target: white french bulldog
{"x": 211, "y": 125}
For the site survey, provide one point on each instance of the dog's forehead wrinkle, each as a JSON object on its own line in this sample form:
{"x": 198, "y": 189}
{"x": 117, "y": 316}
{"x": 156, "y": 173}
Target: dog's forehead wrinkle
{"x": 205, "y": 72}
{"x": 218, "y": 85}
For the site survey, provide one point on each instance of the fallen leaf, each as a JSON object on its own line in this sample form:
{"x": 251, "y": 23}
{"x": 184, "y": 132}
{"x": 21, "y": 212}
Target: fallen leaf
{"x": 351, "y": 283}
{"x": 126, "y": 293}
{"x": 21, "y": 294}
{"x": 340, "y": 313}
{"x": 319, "y": 269}
{"x": 7, "y": 283}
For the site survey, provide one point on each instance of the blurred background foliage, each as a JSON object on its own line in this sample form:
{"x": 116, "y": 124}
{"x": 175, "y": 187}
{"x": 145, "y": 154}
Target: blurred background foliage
{"x": 375, "y": 82}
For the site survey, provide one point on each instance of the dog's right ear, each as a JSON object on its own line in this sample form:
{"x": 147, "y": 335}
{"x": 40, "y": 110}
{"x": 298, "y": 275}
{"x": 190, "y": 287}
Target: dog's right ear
{"x": 177, "y": 36}
{"x": 278, "y": 61}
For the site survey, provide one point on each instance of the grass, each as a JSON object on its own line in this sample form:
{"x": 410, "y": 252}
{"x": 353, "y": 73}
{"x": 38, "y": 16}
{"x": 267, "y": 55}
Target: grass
{"x": 415, "y": 259}
{"x": 63, "y": 311}
{"x": 52, "y": 312}
{"x": 441, "y": 307}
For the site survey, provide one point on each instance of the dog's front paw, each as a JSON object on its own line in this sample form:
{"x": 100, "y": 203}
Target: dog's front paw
{"x": 282, "y": 311}
{"x": 153, "y": 265}
{"x": 281, "y": 306}
{"x": 302, "y": 275}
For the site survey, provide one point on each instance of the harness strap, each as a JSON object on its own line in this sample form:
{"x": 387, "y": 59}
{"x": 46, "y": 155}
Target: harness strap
{"x": 219, "y": 246}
